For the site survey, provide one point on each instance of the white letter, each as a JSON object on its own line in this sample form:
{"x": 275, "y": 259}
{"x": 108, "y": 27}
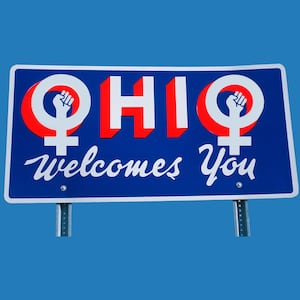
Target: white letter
{"x": 40, "y": 173}
{"x": 176, "y": 103}
{"x": 204, "y": 167}
{"x": 249, "y": 170}
{"x": 114, "y": 106}
{"x": 88, "y": 158}
{"x": 176, "y": 170}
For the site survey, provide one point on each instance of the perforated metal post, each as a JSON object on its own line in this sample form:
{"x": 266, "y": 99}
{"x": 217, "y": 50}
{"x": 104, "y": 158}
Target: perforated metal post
{"x": 241, "y": 218}
{"x": 63, "y": 219}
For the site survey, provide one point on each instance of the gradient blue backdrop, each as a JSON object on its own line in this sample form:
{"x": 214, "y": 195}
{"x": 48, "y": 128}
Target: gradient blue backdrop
{"x": 184, "y": 250}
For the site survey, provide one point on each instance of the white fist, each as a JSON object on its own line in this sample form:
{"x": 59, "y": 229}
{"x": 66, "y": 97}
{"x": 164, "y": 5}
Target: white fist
{"x": 63, "y": 102}
{"x": 236, "y": 103}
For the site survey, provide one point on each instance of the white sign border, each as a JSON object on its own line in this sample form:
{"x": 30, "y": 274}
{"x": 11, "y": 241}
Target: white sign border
{"x": 290, "y": 141}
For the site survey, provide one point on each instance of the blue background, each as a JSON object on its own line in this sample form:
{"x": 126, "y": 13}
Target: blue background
{"x": 183, "y": 250}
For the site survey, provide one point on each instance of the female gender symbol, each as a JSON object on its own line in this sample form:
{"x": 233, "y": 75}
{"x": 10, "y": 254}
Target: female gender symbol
{"x": 61, "y": 124}
{"x": 229, "y": 128}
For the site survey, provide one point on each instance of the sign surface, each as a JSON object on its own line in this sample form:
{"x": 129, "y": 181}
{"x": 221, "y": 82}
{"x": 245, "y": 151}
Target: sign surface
{"x": 95, "y": 134}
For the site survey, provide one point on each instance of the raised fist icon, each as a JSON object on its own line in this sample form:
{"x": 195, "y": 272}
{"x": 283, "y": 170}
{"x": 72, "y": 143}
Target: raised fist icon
{"x": 62, "y": 103}
{"x": 236, "y": 103}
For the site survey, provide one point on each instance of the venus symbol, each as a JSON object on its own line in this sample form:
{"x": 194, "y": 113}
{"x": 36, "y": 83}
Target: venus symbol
{"x": 63, "y": 101}
{"x": 230, "y": 128}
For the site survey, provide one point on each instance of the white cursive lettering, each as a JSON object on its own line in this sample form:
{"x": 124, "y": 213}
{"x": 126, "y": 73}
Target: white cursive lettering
{"x": 48, "y": 168}
{"x": 228, "y": 167}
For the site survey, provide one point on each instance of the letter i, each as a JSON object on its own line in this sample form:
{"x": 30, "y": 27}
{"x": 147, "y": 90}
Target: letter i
{"x": 176, "y": 103}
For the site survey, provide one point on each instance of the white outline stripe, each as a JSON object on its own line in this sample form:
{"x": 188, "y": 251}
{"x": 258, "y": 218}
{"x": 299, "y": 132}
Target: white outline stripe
{"x": 290, "y": 141}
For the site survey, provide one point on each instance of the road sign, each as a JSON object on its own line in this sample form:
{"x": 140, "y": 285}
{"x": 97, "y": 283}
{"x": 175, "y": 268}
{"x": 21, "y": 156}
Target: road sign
{"x": 93, "y": 134}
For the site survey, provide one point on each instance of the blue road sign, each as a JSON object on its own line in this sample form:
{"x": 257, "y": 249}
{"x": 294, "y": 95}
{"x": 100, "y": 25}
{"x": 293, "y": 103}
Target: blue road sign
{"x": 93, "y": 134}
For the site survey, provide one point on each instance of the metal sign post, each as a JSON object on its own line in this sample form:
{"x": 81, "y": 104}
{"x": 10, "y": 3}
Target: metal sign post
{"x": 241, "y": 218}
{"x": 63, "y": 219}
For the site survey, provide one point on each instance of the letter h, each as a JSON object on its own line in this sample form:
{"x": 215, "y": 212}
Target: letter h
{"x": 113, "y": 106}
